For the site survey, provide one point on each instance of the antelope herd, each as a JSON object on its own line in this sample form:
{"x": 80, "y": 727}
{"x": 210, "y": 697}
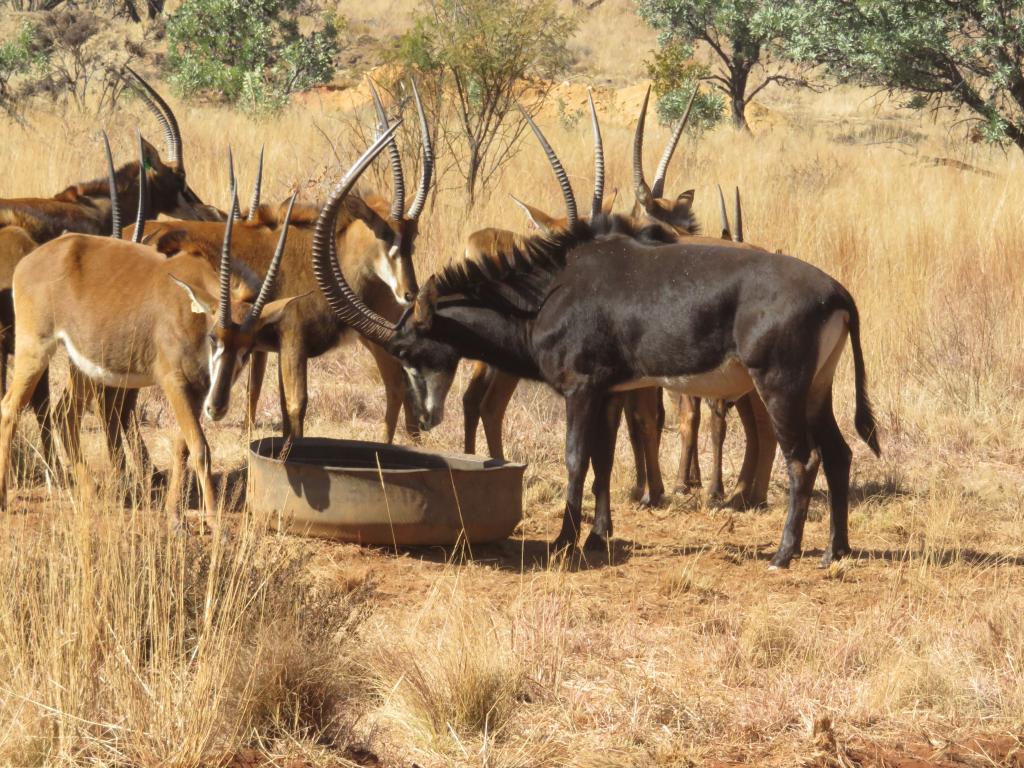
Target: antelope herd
{"x": 183, "y": 299}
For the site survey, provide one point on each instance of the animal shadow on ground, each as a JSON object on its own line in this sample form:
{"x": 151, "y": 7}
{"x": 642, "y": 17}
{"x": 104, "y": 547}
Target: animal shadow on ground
{"x": 521, "y": 555}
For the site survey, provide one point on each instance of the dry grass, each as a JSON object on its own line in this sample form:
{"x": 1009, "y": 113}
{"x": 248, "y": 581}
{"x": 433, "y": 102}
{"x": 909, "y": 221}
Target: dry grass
{"x": 682, "y": 650}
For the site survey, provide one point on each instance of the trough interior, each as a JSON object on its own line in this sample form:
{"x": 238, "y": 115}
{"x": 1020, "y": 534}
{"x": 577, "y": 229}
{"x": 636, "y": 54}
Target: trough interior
{"x": 350, "y": 454}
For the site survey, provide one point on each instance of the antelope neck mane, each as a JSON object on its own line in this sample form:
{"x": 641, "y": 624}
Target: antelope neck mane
{"x": 517, "y": 275}
{"x": 126, "y": 177}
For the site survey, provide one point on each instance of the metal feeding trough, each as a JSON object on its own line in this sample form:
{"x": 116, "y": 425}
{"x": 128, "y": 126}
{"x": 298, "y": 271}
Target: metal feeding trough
{"x": 373, "y": 493}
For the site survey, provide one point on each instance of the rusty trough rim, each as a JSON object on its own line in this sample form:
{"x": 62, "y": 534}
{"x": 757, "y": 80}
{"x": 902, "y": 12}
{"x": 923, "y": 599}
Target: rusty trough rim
{"x": 485, "y": 463}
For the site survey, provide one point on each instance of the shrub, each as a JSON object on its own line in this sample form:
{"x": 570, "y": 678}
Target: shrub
{"x": 251, "y": 54}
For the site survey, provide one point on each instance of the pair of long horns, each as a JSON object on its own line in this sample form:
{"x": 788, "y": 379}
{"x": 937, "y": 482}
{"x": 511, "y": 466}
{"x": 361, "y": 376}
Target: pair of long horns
{"x": 115, "y": 203}
{"x": 162, "y": 112}
{"x": 571, "y": 210}
{"x": 224, "y": 271}
{"x": 257, "y": 188}
{"x": 343, "y": 301}
{"x": 646, "y": 194}
{"x": 727, "y": 231}
{"x": 397, "y": 177}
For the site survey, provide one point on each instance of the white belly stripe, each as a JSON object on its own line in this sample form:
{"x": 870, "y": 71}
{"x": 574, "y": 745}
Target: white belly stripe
{"x": 100, "y": 374}
{"x": 730, "y": 381}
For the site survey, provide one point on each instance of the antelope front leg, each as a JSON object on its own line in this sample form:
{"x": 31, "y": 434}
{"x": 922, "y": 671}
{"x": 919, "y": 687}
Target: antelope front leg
{"x": 688, "y": 475}
{"x": 393, "y": 377}
{"x": 29, "y": 367}
{"x": 604, "y": 432}
{"x": 186, "y": 407}
{"x": 579, "y": 412}
{"x": 493, "y": 408}
{"x": 472, "y": 398}
{"x": 294, "y": 394}
{"x": 257, "y": 370}
{"x": 716, "y": 490}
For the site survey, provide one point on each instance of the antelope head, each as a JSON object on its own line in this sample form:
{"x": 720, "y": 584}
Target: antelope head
{"x": 168, "y": 188}
{"x": 396, "y": 232}
{"x": 650, "y": 203}
{"x": 235, "y": 317}
{"x": 403, "y": 339}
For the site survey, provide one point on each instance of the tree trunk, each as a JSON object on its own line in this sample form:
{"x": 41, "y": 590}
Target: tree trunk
{"x": 738, "y": 77}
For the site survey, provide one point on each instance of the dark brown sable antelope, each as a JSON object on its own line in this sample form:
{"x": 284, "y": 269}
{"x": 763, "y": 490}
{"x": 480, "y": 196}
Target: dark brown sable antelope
{"x": 718, "y": 321}
{"x": 645, "y": 412}
{"x": 87, "y": 208}
{"x": 375, "y": 242}
{"x": 130, "y": 317}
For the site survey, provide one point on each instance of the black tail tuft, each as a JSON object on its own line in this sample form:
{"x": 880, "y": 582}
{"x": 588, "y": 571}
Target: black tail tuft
{"x": 864, "y": 416}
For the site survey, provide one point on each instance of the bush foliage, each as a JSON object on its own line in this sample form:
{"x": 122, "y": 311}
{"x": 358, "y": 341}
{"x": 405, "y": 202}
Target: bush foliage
{"x": 248, "y": 52}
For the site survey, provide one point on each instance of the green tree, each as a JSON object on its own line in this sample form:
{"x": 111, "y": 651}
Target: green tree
{"x": 944, "y": 53}
{"x": 248, "y": 52}
{"x": 473, "y": 55}
{"x": 745, "y": 37}
{"x": 675, "y": 75}
{"x": 18, "y": 56}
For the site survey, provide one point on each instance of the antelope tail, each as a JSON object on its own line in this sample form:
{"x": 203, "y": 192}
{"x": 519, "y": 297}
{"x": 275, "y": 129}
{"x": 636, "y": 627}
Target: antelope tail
{"x": 864, "y": 416}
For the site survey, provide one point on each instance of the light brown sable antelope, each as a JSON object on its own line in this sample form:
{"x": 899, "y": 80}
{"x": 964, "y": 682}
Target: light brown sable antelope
{"x": 86, "y": 207}
{"x": 375, "y": 242}
{"x": 129, "y": 317}
{"x": 646, "y": 412}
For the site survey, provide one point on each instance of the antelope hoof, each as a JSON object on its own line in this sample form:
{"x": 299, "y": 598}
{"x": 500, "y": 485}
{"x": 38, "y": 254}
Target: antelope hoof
{"x": 781, "y": 560}
{"x": 682, "y": 489}
{"x": 563, "y": 544}
{"x": 596, "y": 543}
{"x": 739, "y": 503}
{"x": 637, "y": 494}
{"x": 834, "y": 553}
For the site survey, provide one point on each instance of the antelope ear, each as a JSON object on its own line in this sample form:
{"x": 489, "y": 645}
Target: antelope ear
{"x": 538, "y": 219}
{"x": 274, "y": 311}
{"x": 151, "y": 156}
{"x": 171, "y": 242}
{"x": 686, "y": 198}
{"x": 609, "y": 201}
{"x": 202, "y": 302}
{"x": 423, "y": 311}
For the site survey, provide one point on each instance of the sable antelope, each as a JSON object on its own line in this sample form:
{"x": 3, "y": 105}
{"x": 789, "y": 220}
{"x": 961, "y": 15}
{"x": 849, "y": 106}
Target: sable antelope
{"x": 719, "y": 321}
{"x": 645, "y": 413}
{"x": 87, "y": 208}
{"x": 375, "y": 242}
{"x": 129, "y": 317}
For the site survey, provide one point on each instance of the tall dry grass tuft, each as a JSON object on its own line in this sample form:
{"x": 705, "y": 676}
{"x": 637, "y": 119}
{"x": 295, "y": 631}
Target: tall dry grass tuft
{"x": 448, "y": 683}
{"x": 124, "y": 643}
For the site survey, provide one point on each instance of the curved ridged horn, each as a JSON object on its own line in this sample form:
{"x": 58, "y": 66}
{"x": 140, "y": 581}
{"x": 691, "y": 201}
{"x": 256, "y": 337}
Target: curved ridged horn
{"x": 726, "y": 230}
{"x": 571, "y": 212}
{"x": 427, "y": 172}
{"x": 739, "y": 218}
{"x": 397, "y": 178}
{"x": 598, "y": 201}
{"x": 115, "y": 203}
{"x": 224, "y": 272}
{"x": 162, "y": 112}
{"x": 140, "y": 213}
{"x": 640, "y": 188}
{"x": 268, "y": 282}
{"x": 257, "y": 189}
{"x": 235, "y": 210}
{"x": 658, "y": 188}
{"x": 344, "y": 302}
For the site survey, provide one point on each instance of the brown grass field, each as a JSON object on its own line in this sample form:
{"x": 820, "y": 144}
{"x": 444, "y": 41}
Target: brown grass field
{"x": 124, "y": 645}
